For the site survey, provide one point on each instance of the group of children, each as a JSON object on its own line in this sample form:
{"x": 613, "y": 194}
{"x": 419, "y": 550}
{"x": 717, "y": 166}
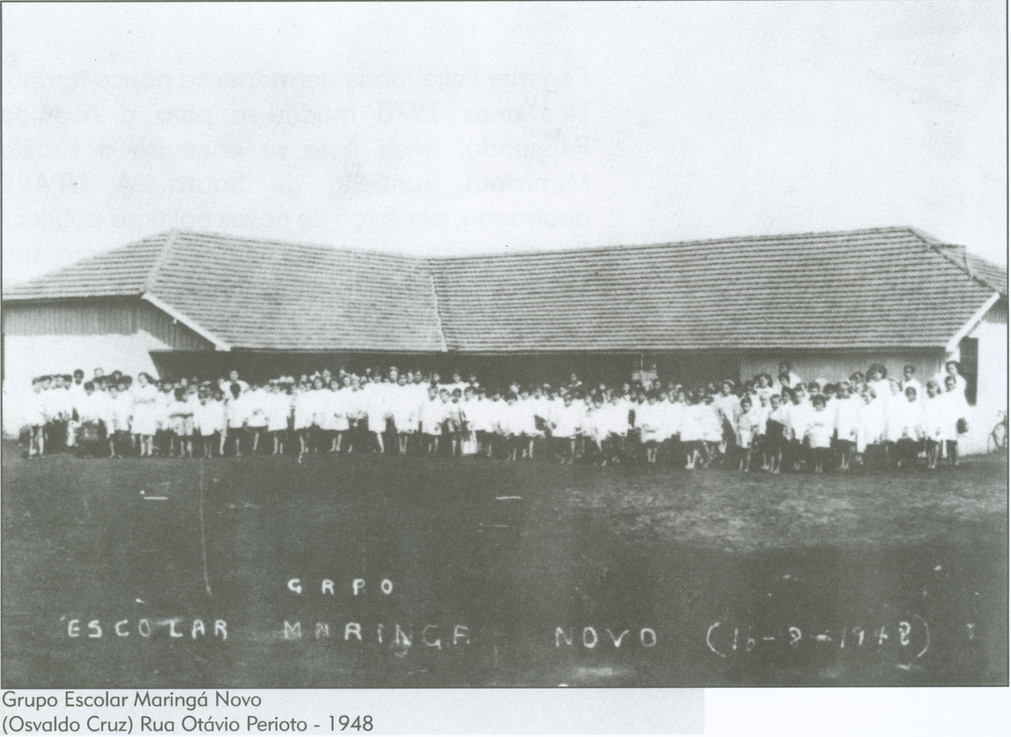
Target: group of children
{"x": 782, "y": 423}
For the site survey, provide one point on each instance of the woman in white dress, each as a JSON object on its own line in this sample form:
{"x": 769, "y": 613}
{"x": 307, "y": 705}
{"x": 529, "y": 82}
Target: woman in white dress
{"x": 145, "y": 414}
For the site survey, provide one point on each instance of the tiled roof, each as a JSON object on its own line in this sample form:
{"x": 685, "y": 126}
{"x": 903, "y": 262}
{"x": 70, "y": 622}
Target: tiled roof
{"x": 117, "y": 273}
{"x": 858, "y": 289}
{"x": 266, "y": 295}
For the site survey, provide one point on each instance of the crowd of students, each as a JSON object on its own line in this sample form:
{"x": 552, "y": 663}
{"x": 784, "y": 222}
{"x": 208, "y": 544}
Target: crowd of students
{"x": 777, "y": 424}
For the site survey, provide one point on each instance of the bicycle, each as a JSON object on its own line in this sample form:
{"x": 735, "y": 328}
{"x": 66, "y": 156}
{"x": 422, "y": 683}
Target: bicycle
{"x": 998, "y": 440}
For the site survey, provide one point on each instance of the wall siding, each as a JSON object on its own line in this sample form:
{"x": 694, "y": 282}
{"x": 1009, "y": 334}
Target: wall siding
{"x": 100, "y": 317}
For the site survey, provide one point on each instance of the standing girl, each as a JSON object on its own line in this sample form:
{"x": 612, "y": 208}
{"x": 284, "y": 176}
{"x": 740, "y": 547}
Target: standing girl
{"x": 278, "y": 414}
{"x": 183, "y": 413}
{"x": 305, "y": 416}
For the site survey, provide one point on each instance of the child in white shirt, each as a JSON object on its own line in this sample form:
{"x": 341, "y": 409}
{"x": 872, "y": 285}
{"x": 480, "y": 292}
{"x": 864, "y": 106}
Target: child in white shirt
{"x": 906, "y": 417}
{"x": 182, "y": 412}
{"x": 932, "y": 424}
{"x": 433, "y": 414}
{"x": 820, "y": 427}
{"x": 776, "y": 429}
{"x": 208, "y": 421}
{"x": 847, "y": 423}
{"x": 747, "y": 422}
{"x": 278, "y": 407}
{"x": 567, "y": 423}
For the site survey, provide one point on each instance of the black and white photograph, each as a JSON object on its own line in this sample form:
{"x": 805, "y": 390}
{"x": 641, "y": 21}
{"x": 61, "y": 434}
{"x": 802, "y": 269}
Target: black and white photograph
{"x": 492, "y": 346}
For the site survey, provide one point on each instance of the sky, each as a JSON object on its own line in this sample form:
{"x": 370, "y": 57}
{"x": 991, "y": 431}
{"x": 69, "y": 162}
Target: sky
{"x": 458, "y": 129}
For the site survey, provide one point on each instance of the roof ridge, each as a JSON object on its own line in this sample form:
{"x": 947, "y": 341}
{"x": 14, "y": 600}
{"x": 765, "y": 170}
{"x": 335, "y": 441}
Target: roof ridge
{"x": 152, "y": 275}
{"x": 294, "y": 243}
{"x": 438, "y": 314}
{"x": 694, "y": 242}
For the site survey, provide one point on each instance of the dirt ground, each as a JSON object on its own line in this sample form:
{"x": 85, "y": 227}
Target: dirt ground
{"x": 415, "y": 573}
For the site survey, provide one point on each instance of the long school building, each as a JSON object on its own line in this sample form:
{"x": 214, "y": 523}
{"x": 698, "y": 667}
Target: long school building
{"x": 831, "y": 303}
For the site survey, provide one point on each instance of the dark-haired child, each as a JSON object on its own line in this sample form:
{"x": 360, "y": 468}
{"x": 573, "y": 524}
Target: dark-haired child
{"x": 209, "y": 421}
{"x": 776, "y": 431}
{"x": 279, "y": 414}
{"x": 820, "y": 427}
{"x": 117, "y": 420}
{"x": 235, "y": 414}
{"x": 932, "y": 424}
{"x": 746, "y": 427}
{"x": 847, "y": 423}
{"x": 433, "y": 415}
{"x": 182, "y": 413}
{"x": 907, "y": 415}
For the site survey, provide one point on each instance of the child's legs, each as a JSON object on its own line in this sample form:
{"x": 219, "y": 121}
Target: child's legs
{"x": 823, "y": 456}
{"x": 38, "y": 440}
{"x": 846, "y": 452}
{"x": 916, "y": 448}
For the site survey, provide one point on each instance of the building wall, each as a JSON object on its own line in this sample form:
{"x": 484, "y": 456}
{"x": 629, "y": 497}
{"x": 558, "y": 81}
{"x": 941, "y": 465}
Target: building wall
{"x": 58, "y": 337}
{"x": 992, "y": 377}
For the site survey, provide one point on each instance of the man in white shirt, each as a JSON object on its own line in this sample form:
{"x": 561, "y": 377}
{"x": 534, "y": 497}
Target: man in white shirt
{"x": 233, "y": 378}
